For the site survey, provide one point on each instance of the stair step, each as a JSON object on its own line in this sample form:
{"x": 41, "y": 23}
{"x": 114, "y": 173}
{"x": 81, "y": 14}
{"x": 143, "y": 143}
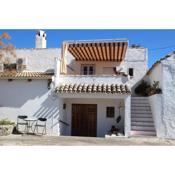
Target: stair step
{"x": 143, "y": 133}
{"x": 142, "y": 123}
{"x": 141, "y": 113}
{"x": 140, "y": 108}
{"x": 143, "y": 128}
{"x": 140, "y": 105}
{"x": 137, "y": 119}
{"x": 143, "y": 98}
{"x": 144, "y": 115}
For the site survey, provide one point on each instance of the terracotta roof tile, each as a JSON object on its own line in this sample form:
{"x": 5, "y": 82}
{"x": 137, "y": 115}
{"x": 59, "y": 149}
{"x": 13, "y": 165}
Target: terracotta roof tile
{"x": 25, "y": 75}
{"x": 93, "y": 88}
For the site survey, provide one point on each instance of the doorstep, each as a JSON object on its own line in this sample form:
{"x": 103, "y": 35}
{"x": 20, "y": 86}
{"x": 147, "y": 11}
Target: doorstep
{"x": 114, "y": 136}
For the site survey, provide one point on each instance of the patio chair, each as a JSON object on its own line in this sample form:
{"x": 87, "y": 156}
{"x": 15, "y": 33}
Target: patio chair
{"x": 21, "y": 122}
{"x": 41, "y": 123}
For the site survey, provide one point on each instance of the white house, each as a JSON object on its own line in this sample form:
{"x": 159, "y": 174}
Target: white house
{"x": 95, "y": 84}
{"x": 87, "y": 87}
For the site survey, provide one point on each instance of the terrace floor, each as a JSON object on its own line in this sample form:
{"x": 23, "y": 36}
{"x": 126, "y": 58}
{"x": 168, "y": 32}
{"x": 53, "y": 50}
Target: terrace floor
{"x": 29, "y": 140}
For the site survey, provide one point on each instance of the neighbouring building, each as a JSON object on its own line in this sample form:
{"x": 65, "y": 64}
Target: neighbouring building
{"x": 87, "y": 88}
{"x": 26, "y": 90}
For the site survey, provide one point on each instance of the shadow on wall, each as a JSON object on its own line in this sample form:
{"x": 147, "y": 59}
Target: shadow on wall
{"x": 19, "y": 92}
{"x": 49, "y": 109}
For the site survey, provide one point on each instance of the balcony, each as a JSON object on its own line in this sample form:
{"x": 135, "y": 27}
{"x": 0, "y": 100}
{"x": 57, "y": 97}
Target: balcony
{"x": 92, "y": 79}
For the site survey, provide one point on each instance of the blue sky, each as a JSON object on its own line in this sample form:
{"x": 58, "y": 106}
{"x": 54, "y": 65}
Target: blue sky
{"x": 158, "y": 42}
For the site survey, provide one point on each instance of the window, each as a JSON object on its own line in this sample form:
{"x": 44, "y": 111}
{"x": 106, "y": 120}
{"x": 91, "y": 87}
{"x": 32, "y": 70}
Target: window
{"x": 131, "y": 72}
{"x": 88, "y": 70}
{"x": 110, "y": 112}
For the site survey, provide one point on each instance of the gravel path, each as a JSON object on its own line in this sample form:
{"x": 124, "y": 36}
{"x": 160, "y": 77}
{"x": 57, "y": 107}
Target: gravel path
{"x": 28, "y": 140}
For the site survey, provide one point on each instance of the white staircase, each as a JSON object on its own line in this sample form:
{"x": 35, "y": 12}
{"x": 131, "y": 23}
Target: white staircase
{"x": 141, "y": 117}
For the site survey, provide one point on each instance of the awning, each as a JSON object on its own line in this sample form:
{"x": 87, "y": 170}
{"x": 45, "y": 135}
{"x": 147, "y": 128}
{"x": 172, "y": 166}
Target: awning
{"x": 93, "y": 88}
{"x": 109, "y": 50}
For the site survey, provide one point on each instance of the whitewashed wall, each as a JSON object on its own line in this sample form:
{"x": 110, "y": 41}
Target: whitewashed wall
{"x": 103, "y": 123}
{"x": 93, "y": 79}
{"x": 20, "y": 97}
{"x": 165, "y": 120}
{"x": 38, "y": 59}
{"x": 168, "y": 101}
{"x": 157, "y": 112}
{"x": 156, "y": 75}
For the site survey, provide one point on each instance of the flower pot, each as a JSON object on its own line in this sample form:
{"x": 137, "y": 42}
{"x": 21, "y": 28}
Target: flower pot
{"x": 6, "y": 130}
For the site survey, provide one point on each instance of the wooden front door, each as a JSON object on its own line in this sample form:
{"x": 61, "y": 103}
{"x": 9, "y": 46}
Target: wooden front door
{"x": 84, "y": 120}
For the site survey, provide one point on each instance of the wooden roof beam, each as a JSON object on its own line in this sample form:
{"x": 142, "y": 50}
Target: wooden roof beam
{"x": 87, "y": 52}
{"x": 100, "y": 51}
{"x": 103, "y": 51}
{"x": 95, "y": 51}
{"x": 91, "y": 51}
{"x": 119, "y": 52}
{"x": 78, "y": 50}
{"x": 112, "y": 51}
{"x": 107, "y": 51}
{"x": 72, "y": 49}
{"x": 115, "y": 51}
{"x": 124, "y": 50}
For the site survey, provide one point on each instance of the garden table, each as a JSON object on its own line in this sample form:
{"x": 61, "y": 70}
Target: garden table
{"x": 30, "y": 121}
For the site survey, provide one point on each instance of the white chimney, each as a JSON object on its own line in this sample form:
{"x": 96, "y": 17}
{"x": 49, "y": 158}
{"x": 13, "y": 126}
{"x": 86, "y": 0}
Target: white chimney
{"x": 40, "y": 41}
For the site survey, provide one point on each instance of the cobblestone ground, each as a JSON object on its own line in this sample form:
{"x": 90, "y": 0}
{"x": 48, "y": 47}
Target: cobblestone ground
{"x": 28, "y": 140}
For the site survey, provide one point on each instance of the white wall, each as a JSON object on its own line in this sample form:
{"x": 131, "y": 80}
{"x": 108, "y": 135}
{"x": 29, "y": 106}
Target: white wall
{"x": 163, "y": 107}
{"x": 156, "y": 75}
{"x": 20, "y": 97}
{"x": 38, "y": 59}
{"x": 157, "y": 113}
{"x": 168, "y": 100}
{"x": 92, "y": 79}
{"x": 103, "y": 123}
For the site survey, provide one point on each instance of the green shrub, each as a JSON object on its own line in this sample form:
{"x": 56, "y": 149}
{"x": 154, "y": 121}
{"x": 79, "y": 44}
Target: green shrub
{"x": 145, "y": 89}
{"x": 142, "y": 88}
{"x": 6, "y": 122}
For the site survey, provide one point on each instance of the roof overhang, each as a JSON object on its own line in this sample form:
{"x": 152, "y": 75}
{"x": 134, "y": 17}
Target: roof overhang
{"x": 98, "y": 50}
{"x": 93, "y": 89}
{"x": 26, "y": 75}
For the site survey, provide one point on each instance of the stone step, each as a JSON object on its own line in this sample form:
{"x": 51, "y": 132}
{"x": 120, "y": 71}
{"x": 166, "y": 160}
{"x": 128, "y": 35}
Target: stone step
{"x": 143, "y": 133}
{"x": 140, "y": 105}
{"x": 141, "y": 115}
{"x": 140, "y": 108}
{"x": 138, "y": 119}
{"x": 140, "y": 98}
{"x": 143, "y": 128}
{"x": 142, "y": 123}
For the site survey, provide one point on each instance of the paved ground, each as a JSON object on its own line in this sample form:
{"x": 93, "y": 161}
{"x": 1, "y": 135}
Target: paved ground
{"x": 28, "y": 140}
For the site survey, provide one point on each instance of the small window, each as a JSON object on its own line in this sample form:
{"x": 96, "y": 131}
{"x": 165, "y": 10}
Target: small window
{"x": 88, "y": 70}
{"x": 131, "y": 72}
{"x": 110, "y": 112}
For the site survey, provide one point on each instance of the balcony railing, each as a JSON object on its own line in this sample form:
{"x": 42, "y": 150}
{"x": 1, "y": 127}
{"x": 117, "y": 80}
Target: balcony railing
{"x": 92, "y": 79}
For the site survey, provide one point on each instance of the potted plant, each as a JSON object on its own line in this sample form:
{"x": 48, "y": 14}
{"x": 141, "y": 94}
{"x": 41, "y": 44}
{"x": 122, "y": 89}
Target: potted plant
{"x": 6, "y": 127}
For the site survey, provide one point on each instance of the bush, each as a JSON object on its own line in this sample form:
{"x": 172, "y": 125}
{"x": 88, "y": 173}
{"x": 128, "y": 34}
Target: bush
{"x": 145, "y": 89}
{"x": 6, "y": 122}
{"x": 142, "y": 88}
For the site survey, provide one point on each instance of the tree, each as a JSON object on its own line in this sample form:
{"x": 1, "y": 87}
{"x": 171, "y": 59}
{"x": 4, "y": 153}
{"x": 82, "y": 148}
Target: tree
{"x": 7, "y": 50}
